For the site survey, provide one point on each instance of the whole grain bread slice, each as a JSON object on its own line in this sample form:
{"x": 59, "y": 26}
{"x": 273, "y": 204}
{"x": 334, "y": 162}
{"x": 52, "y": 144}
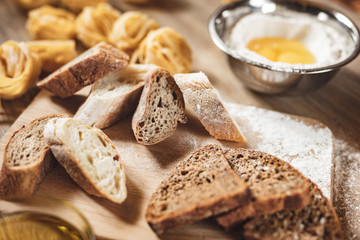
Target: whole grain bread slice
{"x": 206, "y": 102}
{"x": 114, "y": 97}
{"x": 89, "y": 67}
{"x": 88, "y": 156}
{"x": 274, "y": 185}
{"x": 317, "y": 221}
{"x": 160, "y": 108}
{"x": 27, "y": 160}
{"x": 200, "y": 186}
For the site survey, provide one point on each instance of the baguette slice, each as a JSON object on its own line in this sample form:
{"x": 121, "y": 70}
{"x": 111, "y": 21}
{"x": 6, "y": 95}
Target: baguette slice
{"x": 201, "y": 186}
{"x": 316, "y": 221}
{"x": 206, "y": 102}
{"x": 274, "y": 185}
{"x": 160, "y": 108}
{"x": 27, "y": 160}
{"x": 114, "y": 97}
{"x": 88, "y": 156}
{"x": 89, "y": 67}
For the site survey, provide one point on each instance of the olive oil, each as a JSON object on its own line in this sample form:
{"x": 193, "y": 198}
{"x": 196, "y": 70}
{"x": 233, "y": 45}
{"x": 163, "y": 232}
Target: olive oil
{"x": 37, "y": 226}
{"x": 282, "y": 50}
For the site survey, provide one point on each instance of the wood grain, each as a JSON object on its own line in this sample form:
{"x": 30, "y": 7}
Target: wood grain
{"x": 337, "y": 104}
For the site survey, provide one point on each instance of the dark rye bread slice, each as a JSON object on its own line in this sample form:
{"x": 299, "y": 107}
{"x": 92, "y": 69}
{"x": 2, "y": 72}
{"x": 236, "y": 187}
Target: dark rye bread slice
{"x": 160, "y": 108}
{"x": 315, "y": 222}
{"x": 89, "y": 67}
{"x": 200, "y": 186}
{"x": 27, "y": 159}
{"x": 274, "y": 185}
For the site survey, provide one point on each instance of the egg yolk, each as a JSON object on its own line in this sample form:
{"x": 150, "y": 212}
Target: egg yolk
{"x": 282, "y": 50}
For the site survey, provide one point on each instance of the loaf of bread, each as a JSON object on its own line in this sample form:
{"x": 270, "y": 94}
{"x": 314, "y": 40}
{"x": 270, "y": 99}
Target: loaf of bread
{"x": 114, "y": 97}
{"x": 160, "y": 108}
{"x": 206, "y": 102}
{"x": 88, "y": 156}
{"x": 317, "y": 221}
{"x": 94, "y": 64}
{"x": 27, "y": 160}
{"x": 201, "y": 186}
{"x": 274, "y": 185}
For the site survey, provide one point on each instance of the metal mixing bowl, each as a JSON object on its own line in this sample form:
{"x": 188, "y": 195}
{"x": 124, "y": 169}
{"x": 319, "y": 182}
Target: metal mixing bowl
{"x": 265, "y": 78}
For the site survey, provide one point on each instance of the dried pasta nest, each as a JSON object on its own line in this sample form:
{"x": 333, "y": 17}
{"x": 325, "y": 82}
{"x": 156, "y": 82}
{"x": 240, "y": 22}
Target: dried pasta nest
{"x": 19, "y": 69}
{"x": 31, "y": 4}
{"x": 166, "y": 48}
{"x": 48, "y": 22}
{"x": 94, "y": 24}
{"x": 78, "y": 5}
{"x": 130, "y": 29}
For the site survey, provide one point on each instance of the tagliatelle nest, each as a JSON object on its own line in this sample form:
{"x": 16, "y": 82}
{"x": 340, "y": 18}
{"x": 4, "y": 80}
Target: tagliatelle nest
{"x": 30, "y": 4}
{"x": 51, "y": 23}
{"x": 53, "y": 53}
{"x": 19, "y": 69}
{"x": 94, "y": 24}
{"x": 166, "y": 48}
{"x": 78, "y": 5}
{"x": 130, "y": 29}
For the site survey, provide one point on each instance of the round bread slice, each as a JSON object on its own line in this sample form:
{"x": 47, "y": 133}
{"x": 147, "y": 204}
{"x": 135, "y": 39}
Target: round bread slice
{"x": 160, "y": 109}
{"x": 27, "y": 160}
{"x": 88, "y": 156}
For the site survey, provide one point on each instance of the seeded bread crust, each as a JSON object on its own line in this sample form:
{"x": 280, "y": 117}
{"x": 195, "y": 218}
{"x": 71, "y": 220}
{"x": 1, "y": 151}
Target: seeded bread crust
{"x": 94, "y": 64}
{"x": 21, "y": 175}
{"x": 317, "y": 221}
{"x": 201, "y": 186}
{"x": 274, "y": 184}
{"x": 85, "y": 176}
{"x": 206, "y": 102}
{"x": 160, "y": 108}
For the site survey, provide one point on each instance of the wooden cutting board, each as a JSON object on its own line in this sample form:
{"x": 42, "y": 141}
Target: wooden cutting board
{"x": 146, "y": 166}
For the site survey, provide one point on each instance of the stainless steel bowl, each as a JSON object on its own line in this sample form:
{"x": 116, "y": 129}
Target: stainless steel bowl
{"x": 265, "y": 78}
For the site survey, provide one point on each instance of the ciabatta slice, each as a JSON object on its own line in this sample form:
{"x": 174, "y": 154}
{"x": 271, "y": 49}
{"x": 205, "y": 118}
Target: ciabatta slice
{"x": 114, "y": 97}
{"x": 27, "y": 160}
{"x": 274, "y": 184}
{"x": 201, "y": 186}
{"x": 89, "y": 67}
{"x": 160, "y": 108}
{"x": 88, "y": 156}
{"x": 206, "y": 102}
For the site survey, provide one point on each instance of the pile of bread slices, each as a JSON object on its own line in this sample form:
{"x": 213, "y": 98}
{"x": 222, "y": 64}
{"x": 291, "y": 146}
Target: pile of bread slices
{"x": 266, "y": 196}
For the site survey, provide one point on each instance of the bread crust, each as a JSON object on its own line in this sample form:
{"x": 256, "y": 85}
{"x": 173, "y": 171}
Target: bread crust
{"x": 89, "y": 67}
{"x": 22, "y": 182}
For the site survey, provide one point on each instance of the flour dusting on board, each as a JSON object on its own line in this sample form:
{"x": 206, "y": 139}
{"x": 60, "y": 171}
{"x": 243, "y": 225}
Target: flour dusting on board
{"x": 308, "y": 148}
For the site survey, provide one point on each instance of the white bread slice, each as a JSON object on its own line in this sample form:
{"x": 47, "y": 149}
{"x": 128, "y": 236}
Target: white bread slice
{"x": 160, "y": 108}
{"x": 27, "y": 160}
{"x": 89, "y": 67}
{"x": 114, "y": 97}
{"x": 206, "y": 102}
{"x": 88, "y": 156}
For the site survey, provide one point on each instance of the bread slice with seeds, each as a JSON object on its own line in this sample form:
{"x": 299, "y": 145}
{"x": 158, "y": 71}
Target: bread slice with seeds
{"x": 114, "y": 97}
{"x": 88, "y": 156}
{"x": 27, "y": 160}
{"x": 200, "y": 186}
{"x": 160, "y": 109}
{"x": 89, "y": 67}
{"x": 206, "y": 102}
{"x": 274, "y": 185}
{"x": 317, "y": 221}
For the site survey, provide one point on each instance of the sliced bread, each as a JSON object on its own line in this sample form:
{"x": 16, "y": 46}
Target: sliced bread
{"x": 317, "y": 221}
{"x": 201, "y": 186}
{"x": 206, "y": 102}
{"x": 88, "y": 156}
{"x": 160, "y": 108}
{"x": 274, "y": 185}
{"x": 27, "y": 159}
{"x": 114, "y": 97}
{"x": 89, "y": 67}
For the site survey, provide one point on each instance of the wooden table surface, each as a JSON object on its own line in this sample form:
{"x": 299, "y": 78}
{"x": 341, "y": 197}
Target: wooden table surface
{"x": 337, "y": 104}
